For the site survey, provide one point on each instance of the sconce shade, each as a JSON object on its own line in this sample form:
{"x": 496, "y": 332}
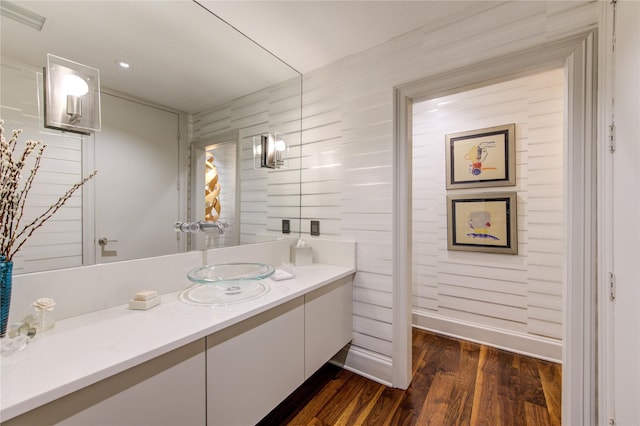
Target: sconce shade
{"x": 269, "y": 151}
{"x": 71, "y": 96}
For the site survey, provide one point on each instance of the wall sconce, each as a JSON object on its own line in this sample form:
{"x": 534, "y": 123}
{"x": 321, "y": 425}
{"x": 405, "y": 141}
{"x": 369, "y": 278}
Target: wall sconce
{"x": 269, "y": 151}
{"x": 71, "y": 96}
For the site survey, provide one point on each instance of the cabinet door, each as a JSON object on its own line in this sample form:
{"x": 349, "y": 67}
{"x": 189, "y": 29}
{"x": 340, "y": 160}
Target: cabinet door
{"x": 328, "y": 322}
{"x": 168, "y": 390}
{"x": 254, "y": 365}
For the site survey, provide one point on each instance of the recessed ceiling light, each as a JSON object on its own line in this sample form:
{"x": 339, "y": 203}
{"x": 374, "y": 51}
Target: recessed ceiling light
{"x": 123, "y": 64}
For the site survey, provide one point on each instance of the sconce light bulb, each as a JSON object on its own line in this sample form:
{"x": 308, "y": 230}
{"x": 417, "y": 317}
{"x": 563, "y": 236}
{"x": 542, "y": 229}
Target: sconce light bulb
{"x": 280, "y": 145}
{"x": 74, "y": 85}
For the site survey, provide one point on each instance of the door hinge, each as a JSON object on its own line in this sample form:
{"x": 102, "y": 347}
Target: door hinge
{"x": 612, "y": 139}
{"x": 612, "y": 286}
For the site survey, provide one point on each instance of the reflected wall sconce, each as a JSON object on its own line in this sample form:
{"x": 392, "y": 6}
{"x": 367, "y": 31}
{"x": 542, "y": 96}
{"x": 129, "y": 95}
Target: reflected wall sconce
{"x": 269, "y": 151}
{"x": 71, "y": 96}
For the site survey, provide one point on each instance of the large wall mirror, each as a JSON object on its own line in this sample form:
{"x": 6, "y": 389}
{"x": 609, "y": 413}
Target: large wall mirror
{"x": 197, "y": 93}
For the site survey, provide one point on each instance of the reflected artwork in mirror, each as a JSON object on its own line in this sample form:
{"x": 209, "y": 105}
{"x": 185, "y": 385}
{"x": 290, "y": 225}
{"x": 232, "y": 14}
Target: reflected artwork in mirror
{"x": 186, "y": 90}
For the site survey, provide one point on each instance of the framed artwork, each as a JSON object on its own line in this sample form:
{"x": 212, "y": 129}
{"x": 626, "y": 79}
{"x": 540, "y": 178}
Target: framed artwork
{"x": 483, "y": 222}
{"x": 481, "y": 158}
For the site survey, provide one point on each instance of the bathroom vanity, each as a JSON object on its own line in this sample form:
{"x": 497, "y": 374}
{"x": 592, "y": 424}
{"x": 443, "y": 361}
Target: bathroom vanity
{"x": 182, "y": 364}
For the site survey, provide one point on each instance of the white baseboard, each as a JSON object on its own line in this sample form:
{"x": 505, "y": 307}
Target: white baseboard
{"x": 525, "y": 344}
{"x": 364, "y": 363}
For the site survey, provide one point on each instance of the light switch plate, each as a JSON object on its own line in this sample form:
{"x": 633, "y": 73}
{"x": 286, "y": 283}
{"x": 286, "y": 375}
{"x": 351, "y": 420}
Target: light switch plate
{"x": 315, "y": 227}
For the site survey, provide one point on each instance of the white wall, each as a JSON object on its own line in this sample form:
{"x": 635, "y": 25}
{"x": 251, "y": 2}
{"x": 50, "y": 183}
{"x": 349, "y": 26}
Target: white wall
{"x": 347, "y": 119}
{"x": 519, "y": 294}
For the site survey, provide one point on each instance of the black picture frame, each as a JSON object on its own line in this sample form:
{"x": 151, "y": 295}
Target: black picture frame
{"x": 483, "y": 222}
{"x": 481, "y": 158}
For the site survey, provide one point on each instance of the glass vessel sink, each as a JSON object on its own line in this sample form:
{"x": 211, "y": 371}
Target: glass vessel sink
{"x": 224, "y": 284}
{"x": 239, "y": 273}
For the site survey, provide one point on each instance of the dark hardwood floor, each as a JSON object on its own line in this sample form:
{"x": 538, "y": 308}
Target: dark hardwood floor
{"x": 454, "y": 383}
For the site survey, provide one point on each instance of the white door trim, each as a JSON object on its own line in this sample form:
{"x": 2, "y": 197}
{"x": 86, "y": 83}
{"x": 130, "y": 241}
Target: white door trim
{"x": 577, "y": 55}
{"x": 196, "y": 173}
{"x": 606, "y": 393}
{"x": 618, "y": 200}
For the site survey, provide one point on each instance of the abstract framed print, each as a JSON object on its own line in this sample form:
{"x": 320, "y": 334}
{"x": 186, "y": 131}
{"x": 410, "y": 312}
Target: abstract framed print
{"x": 481, "y": 158}
{"x": 483, "y": 222}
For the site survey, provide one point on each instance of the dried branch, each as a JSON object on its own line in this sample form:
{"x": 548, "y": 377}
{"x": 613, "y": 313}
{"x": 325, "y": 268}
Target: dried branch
{"x": 28, "y": 230}
{"x": 14, "y": 192}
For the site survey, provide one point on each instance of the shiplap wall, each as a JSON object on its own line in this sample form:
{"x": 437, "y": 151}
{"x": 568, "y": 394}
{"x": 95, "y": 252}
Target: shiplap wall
{"x": 522, "y": 293}
{"x": 347, "y": 120}
{"x": 266, "y": 196}
{"x": 59, "y": 243}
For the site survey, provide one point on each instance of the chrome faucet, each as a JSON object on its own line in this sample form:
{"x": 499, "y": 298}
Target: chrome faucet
{"x": 201, "y": 226}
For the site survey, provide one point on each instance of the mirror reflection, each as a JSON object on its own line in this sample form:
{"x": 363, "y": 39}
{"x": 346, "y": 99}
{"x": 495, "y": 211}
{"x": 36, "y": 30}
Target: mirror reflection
{"x": 194, "y": 95}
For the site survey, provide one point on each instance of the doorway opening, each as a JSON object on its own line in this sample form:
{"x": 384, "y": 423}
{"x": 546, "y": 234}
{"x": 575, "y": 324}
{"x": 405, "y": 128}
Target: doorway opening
{"x": 576, "y": 56}
{"x": 509, "y": 301}
{"x": 215, "y": 194}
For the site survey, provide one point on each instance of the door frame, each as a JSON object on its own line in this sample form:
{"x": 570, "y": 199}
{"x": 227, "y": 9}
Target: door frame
{"x": 228, "y": 137}
{"x": 577, "y": 55}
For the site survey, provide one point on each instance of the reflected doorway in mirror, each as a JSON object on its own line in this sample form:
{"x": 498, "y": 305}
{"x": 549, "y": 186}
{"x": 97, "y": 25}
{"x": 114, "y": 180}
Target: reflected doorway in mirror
{"x": 215, "y": 176}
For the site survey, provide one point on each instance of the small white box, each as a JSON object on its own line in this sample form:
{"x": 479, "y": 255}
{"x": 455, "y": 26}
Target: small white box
{"x": 301, "y": 256}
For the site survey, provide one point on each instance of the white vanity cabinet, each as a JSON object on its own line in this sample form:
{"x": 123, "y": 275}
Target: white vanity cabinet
{"x": 328, "y": 313}
{"x": 167, "y": 390}
{"x": 254, "y": 365}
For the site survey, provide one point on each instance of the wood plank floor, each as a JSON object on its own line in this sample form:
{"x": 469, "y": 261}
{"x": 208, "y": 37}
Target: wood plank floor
{"x": 454, "y": 383}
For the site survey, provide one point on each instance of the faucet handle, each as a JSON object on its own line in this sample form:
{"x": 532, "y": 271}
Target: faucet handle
{"x": 186, "y": 227}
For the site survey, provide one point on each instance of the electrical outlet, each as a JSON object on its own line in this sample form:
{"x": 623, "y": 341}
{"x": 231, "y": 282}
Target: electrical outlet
{"x": 315, "y": 227}
{"x": 286, "y": 226}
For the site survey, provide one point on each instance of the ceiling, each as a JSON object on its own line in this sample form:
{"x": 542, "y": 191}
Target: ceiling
{"x": 310, "y": 34}
{"x": 181, "y": 55}
{"x": 186, "y": 59}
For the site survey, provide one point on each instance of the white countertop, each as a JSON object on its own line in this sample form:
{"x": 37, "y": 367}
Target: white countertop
{"x": 83, "y": 350}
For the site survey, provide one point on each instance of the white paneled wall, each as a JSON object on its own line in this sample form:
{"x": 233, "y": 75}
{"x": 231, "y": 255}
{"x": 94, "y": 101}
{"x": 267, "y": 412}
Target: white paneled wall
{"x": 522, "y": 293}
{"x": 59, "y": 243}
{"x": 545, "y": 207}
{"x": 347, "y": 120}
{"x": 266, "y": 196}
